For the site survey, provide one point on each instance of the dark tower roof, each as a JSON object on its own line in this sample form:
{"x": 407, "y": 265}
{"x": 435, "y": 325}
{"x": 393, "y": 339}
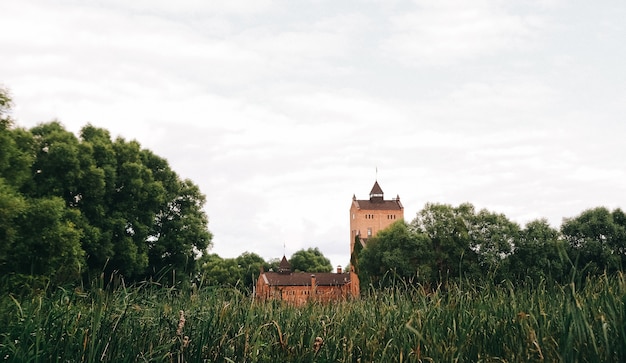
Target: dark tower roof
{"x": 376, "y": 201}
{"x": 376, "y": 195}
{"x": 285, "y": 266}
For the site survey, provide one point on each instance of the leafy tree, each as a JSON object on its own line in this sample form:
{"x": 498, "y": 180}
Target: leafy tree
{"x": 16, "y": 156}
{"x": 448, "y": 229}
{"x": 492, "y": 237}
{"x": 179, "y": 232}
{"x": 395, "y": 252}
{"x": 250, "y": 265}
{"x": 130, "y": 212}
{"x": 354, "y": 257}
{"x": 273, "y": 264}
{"x": 218, "y": 271}
{"x": 5, "y": 105}
{"x": 56, "y": 168}
{"x": 538, "y": 254}
{"x": 310, "y": 260}
{"x": 595, "y": 240}
{"x": 48, "y": 242}
{"x": 12, "y": 204}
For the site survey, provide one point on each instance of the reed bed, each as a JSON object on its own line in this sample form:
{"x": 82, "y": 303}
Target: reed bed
{"x": 486, "y": 323}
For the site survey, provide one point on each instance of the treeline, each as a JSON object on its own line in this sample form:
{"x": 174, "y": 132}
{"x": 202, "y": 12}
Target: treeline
{"x": 445, "y": 243}
{"x": 73, "y": 206}
{"x": 243, "y": 270}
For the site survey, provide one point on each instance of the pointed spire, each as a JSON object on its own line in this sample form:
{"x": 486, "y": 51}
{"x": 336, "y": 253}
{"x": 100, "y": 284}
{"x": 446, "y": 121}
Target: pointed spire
{"x": 285, "y": 266}
{"x": 377, "y": 193}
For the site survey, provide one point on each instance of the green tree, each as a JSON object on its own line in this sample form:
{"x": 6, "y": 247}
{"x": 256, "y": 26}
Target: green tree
{"x": 354, "y": 257}
{"x": 218, "y": 271}
{"x": 14, "y": 172}
{"x": 538, "y": 254}
{"x": 250, "y": 265}
{"x": 56, "y": 168}
{"x": 129, "y": 210}
{"x": 448, "y": 229}
{"x": 310, "y": 260}
{"x": 179, "y": 233}
{"x": 12, "y": 205}
{"x": 492, "y": 237}
{"x": 395, "y": 253}
{"x": 595, "y": 240}
{"x": 48, "y": 243}
{"x": 6, "y": 103}
{"x": 15, "y": 145}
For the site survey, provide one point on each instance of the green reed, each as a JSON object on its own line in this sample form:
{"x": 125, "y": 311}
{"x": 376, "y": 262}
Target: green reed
{"x": 476, "y": 323}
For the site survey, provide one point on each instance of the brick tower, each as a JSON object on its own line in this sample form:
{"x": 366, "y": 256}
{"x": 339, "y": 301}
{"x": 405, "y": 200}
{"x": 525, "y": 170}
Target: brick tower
{"x": 369, "y": 216}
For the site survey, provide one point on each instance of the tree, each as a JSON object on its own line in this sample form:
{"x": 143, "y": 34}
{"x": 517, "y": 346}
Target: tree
{"x": 310, "y": 260}
{"x": 492, "y": 237}
{"x": 48, "y": 241}
{"x": 218, "y": 271}
{"x": 130, "y": 212}
{"x": 5, "y": 105}
{"x": 250, "y": 265}
{"x": 12, "y": 204}
{"x": 16, "y": 157}
{"x": 596, "y": 240}
{"x": 354, "y": 257}
{"x": 448, "y": 229}
{"x": 538, "y": 254}
{"x": 397, "y": 253}
{"x": 14, "y": 171}
{"x": 179, "y": 231}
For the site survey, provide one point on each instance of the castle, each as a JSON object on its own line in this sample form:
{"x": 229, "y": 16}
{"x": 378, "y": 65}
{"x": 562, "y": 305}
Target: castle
{"x": 298, "y": 288}
{"x": 367, "y": 217}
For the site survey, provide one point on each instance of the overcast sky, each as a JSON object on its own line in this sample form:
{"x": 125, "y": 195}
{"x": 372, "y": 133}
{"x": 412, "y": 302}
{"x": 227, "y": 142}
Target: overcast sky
{"x": 282, "y": 110}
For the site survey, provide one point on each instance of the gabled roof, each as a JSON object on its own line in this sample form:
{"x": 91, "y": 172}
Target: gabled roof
{"x": 376, "y": 201}
{"x": 384, "y": 205}
{"x": 304, "y": 279}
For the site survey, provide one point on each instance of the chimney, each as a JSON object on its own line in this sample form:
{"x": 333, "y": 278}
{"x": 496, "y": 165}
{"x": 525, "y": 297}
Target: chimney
{"x": 313, "y": 286}
{"x": 339, "y": 269}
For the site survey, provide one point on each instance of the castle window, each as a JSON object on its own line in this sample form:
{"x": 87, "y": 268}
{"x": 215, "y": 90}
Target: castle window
{"x": 369, "y": 232}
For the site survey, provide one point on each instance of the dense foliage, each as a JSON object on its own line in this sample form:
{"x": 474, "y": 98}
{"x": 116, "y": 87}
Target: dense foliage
{"x": 468, "y": 323}
{"x": 445, "y": 242}
{"x": 243, "y": 270}
{"x": 70, "y": 206}
{"x": 310, "y": 260}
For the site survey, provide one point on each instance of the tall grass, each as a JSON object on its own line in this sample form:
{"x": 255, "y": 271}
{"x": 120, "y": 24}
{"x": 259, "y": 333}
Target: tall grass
{"x": 486, "y": 323}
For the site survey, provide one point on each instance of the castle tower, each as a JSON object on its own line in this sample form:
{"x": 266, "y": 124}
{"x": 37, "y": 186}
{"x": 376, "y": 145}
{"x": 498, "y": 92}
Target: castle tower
{"x": 369, "y": 216}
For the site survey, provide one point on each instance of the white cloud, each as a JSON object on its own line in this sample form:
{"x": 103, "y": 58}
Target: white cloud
{"x": 452, "y": 32}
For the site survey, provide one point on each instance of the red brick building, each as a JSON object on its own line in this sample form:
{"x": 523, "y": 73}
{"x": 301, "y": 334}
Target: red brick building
{"x": 368, "y": 216}
{"x": 299, "y": 287}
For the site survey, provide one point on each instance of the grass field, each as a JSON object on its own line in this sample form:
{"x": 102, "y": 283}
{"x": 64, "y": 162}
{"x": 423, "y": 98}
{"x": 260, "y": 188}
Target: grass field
{"x": 150, "y": 323}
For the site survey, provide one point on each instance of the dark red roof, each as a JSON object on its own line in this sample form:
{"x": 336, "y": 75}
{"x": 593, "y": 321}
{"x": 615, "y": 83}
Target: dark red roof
{"x": 376, "y": 201}
{"x": 304, "y": 279}
{"x": 382, "y": 205}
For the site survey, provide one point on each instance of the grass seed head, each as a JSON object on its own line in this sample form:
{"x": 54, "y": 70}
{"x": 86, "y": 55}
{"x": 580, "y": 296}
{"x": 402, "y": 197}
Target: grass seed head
{"x": 317, "y": 344}
{"x": 181, "y": 323}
